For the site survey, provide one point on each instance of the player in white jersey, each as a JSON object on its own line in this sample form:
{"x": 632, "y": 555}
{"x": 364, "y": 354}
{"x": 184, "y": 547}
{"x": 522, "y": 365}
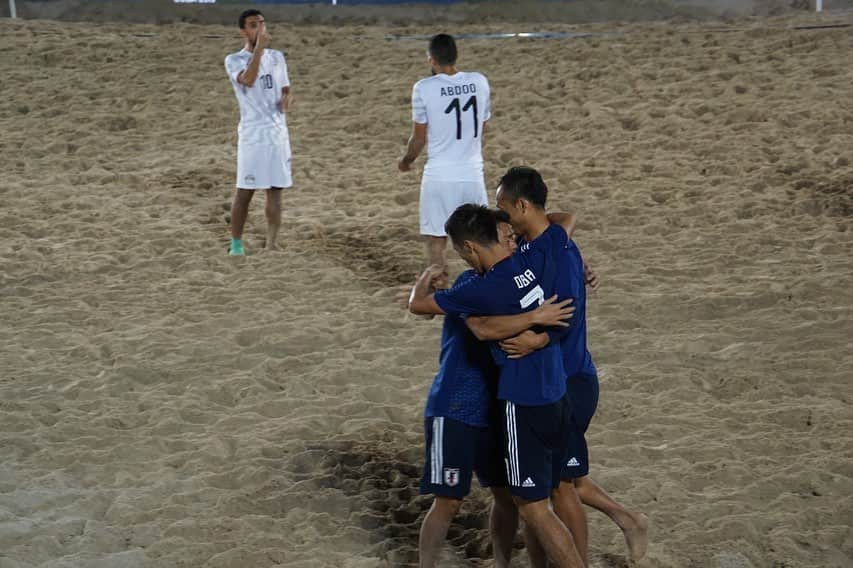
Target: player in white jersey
{"x": 449, "y": 111}
{"x": 260, "y": 81}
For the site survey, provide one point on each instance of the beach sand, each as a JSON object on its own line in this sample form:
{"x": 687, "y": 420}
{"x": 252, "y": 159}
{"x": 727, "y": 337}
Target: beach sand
{"x": 164, "y": 405}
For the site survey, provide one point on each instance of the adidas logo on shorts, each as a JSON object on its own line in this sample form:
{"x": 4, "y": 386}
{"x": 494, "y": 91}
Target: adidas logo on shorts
{"x": 573, "y": 463}
{"x": 528, "y": 483}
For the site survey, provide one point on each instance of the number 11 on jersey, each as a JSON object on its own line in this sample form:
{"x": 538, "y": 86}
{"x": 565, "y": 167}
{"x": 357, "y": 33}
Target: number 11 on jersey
{"x": 454, "y": 105}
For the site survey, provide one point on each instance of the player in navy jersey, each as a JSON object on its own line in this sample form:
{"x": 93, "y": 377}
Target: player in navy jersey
{"x": 531, "y": 390}
{"x": 522, "y": 195}
{"x": 460, "y": 430}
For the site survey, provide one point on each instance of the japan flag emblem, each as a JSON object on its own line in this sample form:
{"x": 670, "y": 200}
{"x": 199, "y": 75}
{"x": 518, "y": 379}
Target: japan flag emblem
{"x": 451, "y": 476}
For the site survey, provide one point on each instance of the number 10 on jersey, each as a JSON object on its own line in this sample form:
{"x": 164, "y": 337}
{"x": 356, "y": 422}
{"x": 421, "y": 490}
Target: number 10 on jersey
{"x": 454, "y": 105}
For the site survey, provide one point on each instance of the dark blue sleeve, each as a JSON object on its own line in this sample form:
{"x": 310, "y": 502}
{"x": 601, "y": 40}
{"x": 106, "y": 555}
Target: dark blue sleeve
{"x": 474, "y": 297}
{"x": 558, "y": 239}
{"x": 558, "y": 235}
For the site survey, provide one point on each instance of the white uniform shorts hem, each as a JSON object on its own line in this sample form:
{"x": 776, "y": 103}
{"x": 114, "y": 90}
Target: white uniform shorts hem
{"x": 263, "y": 166}
{"x": 439, "y": 199}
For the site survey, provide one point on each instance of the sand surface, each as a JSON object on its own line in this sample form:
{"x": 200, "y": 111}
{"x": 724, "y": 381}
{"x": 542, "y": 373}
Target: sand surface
{"x": 163, "y": 405}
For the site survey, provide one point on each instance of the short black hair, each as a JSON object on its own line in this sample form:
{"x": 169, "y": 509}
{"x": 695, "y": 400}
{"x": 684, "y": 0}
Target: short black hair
{"x": 471, "y": 222}
{"x": 501, "y": 216}
{"x": 442, "y": 48}
{"x": 522, "y": 182}
{"x": 241, "y": 21}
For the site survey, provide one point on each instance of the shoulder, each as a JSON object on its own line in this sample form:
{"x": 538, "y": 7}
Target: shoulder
{"x": 465, "y": 277}
{"x": 557, "y": 231}
{"x": 559, "y": 236}
{"x": 507, "y": 267}
{"x": 554, "y": 236}
{"x": 424, "y": 82}
{"x": 236, "y": 58}
{"x": 276, "y": 54}
{"x": 477, "y": 76}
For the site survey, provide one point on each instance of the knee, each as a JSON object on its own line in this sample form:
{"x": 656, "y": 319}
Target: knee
{"x": 531, "y": 511}
{"x": 566, "y": 490}
{"x": 273, "y": 205}
{"x": 447, "y": 506}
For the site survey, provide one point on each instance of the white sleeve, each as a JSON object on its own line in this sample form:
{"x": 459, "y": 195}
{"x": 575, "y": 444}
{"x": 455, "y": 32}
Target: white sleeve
{"x": 419, "y": 113}
{"x": 487, "y": 103}
{"x": 234, "y": 66}
{"x": 285, "y": 80}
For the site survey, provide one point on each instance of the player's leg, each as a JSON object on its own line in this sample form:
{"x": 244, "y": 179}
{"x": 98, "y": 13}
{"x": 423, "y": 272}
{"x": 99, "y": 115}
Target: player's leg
{"x": 251, "y": 175}
{"x": 434, "y": 211}
{"x": 440, "y": 199}
{"x": 551, "y": 532}
{"x": 451, "y": 449}
{"x": 534, "y": 442}
{"x": 277, "y": 176}
{"x": 436, "y": 249}
{"x": 239, "y": 213}
{"x": 567, "y": 506}
{"x": 434, "y": 529}
{"x": 503, "y": 516}
{"x": 581, "y": 400}
{"x": 537, "y": 555}
{"x": 634, "y": 525}
{"x": 273, "y": 214}
{"x": 574, "y": 463}
{"x": 503, "y": 524}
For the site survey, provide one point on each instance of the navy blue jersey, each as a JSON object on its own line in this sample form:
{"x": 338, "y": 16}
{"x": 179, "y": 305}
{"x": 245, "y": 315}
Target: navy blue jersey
{"x": 467, "y": 377}
{"x": 516, "y": 284}
{"x": 571, "y": 283}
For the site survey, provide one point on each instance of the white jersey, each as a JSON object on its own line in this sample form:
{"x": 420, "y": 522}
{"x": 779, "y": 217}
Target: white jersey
{"x": 454, "y": 108}
{"x": 261, "y": 118}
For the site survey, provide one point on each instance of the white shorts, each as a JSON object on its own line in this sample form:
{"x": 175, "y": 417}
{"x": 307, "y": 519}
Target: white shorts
{"x": 263, "y": 166}
{"x": 439, "y": 199}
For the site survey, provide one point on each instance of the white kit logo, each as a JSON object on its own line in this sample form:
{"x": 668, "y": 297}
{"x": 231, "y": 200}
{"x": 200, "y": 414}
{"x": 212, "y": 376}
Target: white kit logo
{"x": 528, "y": 483}
{"x": 573, "y": 463}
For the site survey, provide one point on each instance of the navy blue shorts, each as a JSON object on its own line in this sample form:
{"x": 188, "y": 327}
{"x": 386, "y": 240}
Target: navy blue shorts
{"x": 454, "y": 452}
{"x": 583, "y": 397}
{"x": 535, "y": 442}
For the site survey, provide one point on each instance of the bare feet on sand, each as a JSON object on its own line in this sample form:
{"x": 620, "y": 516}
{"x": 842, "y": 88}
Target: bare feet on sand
{"x": 637, "y": 536}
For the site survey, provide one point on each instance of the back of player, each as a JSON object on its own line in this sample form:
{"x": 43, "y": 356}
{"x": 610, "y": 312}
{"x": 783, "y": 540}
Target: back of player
{"x": 454, "y": 108}
{"x": 449, "y": 113}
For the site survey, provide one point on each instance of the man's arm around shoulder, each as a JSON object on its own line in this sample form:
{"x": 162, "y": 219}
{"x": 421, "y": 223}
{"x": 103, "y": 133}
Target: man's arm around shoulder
{"x": 496, "y": 328}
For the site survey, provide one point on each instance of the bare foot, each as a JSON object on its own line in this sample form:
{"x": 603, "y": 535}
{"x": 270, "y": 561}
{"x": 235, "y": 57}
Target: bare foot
{"x": 271, "y": 245}
{"x": 637, "y": 537}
